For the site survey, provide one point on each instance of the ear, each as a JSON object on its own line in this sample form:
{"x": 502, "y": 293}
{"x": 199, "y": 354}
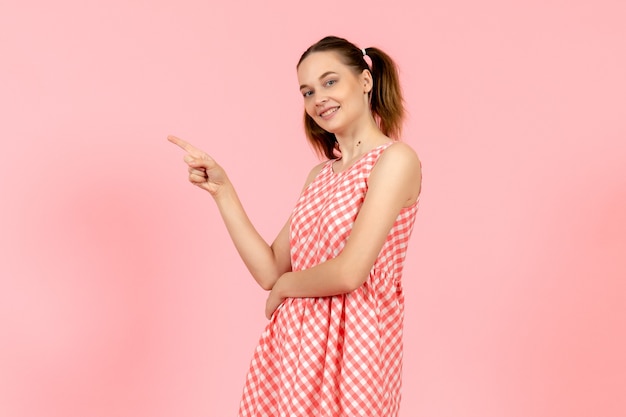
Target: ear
{"x": 366, "y": 81}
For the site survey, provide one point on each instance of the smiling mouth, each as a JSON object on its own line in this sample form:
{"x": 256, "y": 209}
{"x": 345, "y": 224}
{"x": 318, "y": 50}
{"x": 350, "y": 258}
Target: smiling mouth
{"x": 329, "y": 112}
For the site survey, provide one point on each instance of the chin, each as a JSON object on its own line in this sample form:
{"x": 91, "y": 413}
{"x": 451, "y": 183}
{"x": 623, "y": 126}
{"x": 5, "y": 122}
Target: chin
{"x": 331, "y": 127}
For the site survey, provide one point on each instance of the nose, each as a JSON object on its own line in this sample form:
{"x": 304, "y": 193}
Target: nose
{"x": 320, "y": 100}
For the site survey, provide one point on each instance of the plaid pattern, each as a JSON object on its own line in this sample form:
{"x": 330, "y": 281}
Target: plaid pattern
{"x": 334, "y": 356}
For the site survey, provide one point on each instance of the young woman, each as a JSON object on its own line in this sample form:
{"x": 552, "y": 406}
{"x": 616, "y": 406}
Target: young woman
{"x": 333, "y": 345}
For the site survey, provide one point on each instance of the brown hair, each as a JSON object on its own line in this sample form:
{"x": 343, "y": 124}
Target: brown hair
{"x": 386, "y": 101}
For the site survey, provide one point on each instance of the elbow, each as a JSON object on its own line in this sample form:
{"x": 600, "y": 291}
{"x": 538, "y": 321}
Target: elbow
{"x": 352, "y": 277}
{"x": 264, "y": 279}
{"x": 266, "y": 283}
{"x": 267, "y": 286}
{"x": 268, "y": 279}
{"x": 356, "y": 282}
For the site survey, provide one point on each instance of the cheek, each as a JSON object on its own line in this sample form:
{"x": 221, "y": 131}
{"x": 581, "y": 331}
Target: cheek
{"x": 309, "y": 108}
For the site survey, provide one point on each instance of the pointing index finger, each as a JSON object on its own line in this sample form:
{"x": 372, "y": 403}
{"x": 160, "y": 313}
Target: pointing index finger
{"x": 184, "y": 145}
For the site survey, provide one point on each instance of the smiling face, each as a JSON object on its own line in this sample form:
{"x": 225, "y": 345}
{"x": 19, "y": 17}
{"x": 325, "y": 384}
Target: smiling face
{"x": 335, "y": 97}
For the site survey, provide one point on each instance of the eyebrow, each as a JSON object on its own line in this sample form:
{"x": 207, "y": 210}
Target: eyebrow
{"x": 321, "y": 76}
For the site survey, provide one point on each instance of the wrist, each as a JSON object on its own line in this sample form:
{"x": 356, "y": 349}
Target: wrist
{"x": 225, "y": 194}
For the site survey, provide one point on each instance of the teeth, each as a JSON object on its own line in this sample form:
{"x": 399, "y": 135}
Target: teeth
{"x": 329, "y": 111}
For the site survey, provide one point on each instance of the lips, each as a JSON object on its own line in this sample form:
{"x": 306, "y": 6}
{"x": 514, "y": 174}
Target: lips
{"x": 328, "y": 112}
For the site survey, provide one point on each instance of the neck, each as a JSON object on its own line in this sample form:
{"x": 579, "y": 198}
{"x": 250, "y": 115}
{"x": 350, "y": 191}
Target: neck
{"x": 359, "y": 141}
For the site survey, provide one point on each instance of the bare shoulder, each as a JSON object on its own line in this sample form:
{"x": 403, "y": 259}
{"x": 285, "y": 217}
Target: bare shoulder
{"x": 399, "y": 157}
{"x": 314, "y": 173}
{"x": 399, "y": 166}
{"x": 400, "y": 152}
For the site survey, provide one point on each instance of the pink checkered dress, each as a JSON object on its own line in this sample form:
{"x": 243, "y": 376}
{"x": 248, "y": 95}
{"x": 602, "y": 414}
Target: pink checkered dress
{"x": 342, "y": 355}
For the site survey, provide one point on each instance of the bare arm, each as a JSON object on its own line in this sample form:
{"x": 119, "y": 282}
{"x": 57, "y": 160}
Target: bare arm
{"x": 393, "y": 184}
{"x": 265, "y": 262}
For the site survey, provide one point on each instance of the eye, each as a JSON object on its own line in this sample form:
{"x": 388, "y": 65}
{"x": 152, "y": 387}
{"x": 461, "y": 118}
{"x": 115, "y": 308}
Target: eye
{"x": 330, "y": 83}
{"x": 307, "y": 93}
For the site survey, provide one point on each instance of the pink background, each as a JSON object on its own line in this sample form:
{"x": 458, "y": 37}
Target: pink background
{"x": 120, "y": 293}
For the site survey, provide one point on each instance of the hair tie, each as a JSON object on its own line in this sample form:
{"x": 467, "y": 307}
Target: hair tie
{"x": 364, "y": 53}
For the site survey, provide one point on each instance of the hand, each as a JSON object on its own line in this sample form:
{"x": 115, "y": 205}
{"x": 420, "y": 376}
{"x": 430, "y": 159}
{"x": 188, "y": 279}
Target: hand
{"x": 274, "y": 300}
{"x": 203, "y": 170}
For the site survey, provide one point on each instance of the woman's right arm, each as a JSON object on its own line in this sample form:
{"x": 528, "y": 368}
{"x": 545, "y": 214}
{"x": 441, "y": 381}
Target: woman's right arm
{"x": 265, "y": 262}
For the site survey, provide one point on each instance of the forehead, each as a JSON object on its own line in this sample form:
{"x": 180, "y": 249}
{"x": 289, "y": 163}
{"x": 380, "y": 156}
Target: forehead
{"x": 318, "y": 63}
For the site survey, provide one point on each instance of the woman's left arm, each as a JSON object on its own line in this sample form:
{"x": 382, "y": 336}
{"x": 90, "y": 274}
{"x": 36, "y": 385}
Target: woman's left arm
{"x": 394, "y": 183}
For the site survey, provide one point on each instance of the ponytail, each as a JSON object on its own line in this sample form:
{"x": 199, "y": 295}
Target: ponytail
{"x": 386, "y": 100}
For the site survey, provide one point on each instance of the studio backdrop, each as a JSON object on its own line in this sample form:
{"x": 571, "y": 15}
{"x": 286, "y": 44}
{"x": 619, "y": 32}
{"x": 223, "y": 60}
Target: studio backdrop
{"x": 121, "y": 293}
